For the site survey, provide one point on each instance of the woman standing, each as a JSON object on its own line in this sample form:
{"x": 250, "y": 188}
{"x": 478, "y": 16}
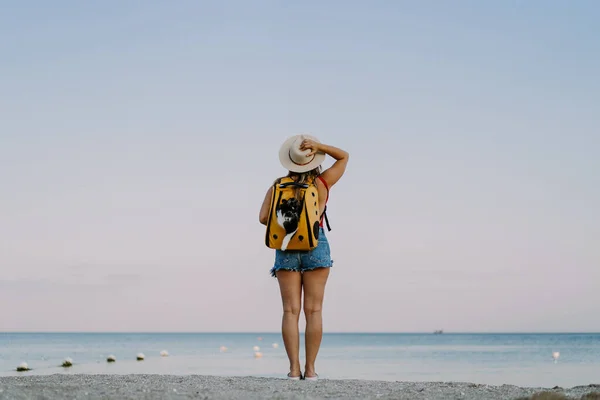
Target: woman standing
{"x": 305, "y": 271}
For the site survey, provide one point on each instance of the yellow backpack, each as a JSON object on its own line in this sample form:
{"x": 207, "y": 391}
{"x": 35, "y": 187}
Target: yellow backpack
{"x": 294, "y": 221}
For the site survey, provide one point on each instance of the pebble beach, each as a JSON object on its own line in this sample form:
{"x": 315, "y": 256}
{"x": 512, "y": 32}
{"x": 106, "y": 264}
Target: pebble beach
{"x": 80, "y": 386}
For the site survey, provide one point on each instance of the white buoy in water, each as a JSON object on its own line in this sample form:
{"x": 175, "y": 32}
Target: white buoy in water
{"x": 23, "y": 367}
{"x": 222, "y": 349}
{"x": 257, "y": 354}
{"x": 68, "y": 362}
{"x": 140, "y": 356}
{"x": 164, "y": 353}
{"x": 275, "y": 345}
{"x": 111, "y": 358}
{"x": 256, "y": 348}
{"x": 555, "y": 355}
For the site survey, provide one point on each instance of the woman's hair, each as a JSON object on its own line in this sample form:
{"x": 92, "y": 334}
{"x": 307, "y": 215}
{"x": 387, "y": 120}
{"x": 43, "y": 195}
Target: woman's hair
{"x": 305, "y": 177}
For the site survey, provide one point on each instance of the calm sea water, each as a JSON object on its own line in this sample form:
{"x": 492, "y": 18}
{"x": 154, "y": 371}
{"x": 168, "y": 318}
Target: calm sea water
{"x": 519, "y": 359}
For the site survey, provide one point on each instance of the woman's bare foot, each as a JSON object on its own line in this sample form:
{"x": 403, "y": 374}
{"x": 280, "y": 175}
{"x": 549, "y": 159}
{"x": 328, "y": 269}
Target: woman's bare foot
{"x": 295, "y": 372}
{"x": 309, "y": 372}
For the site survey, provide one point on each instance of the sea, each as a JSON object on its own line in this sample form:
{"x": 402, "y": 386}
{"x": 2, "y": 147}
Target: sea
{"x": 523, "y": 359}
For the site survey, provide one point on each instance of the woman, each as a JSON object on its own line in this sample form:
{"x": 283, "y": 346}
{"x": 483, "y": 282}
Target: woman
{"x": 305, "y": 271}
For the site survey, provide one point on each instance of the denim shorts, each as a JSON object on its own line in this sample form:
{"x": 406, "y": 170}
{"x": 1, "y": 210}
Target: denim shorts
{"x": 298, "y": 260}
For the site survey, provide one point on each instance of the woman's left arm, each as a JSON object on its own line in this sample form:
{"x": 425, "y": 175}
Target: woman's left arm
{"x": 263, "y": 216}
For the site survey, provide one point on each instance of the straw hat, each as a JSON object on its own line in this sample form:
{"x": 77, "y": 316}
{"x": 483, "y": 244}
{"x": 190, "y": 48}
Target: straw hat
{"x": 294, "y": 159}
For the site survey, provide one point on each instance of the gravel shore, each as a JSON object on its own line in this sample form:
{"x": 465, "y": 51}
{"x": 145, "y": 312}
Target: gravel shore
{"x": 61, "y": 386}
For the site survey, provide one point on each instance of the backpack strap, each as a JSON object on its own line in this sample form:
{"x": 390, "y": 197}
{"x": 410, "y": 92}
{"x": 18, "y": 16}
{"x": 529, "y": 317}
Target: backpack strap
{"x": 326, "y": 219}
{"x": 273, "y": 202}
{"x": 300, "y": 185}
{"x": 325, "y": 210}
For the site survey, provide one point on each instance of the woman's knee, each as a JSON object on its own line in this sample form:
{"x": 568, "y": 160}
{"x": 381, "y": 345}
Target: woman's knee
{"x": 311, "y": 309}
{"x": 292, "y": 309}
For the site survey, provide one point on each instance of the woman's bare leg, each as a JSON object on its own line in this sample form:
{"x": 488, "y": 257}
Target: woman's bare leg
{"x": 313, "y": 283}
{"x": 290, "y": 285}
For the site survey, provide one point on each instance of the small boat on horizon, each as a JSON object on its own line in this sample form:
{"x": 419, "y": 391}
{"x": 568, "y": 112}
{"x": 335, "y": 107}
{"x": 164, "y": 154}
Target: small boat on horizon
{"x": 438, "y": 332}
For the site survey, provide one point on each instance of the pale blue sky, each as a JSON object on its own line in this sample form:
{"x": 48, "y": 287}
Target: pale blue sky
{"x": 137, "y": 139}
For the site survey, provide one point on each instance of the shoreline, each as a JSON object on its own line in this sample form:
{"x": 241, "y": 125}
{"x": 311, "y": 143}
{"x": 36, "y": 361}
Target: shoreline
{"x": 136, "y": 386}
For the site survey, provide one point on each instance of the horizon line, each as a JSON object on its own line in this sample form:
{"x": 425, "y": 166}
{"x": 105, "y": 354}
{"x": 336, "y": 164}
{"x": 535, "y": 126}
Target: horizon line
{"x": 302, "y": 333}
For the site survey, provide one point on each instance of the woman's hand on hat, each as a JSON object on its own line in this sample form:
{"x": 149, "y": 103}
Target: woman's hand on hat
{"x": 308, "y": 144}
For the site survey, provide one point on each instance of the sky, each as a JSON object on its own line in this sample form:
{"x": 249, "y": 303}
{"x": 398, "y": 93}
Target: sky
{"x": 138, "y": 138}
